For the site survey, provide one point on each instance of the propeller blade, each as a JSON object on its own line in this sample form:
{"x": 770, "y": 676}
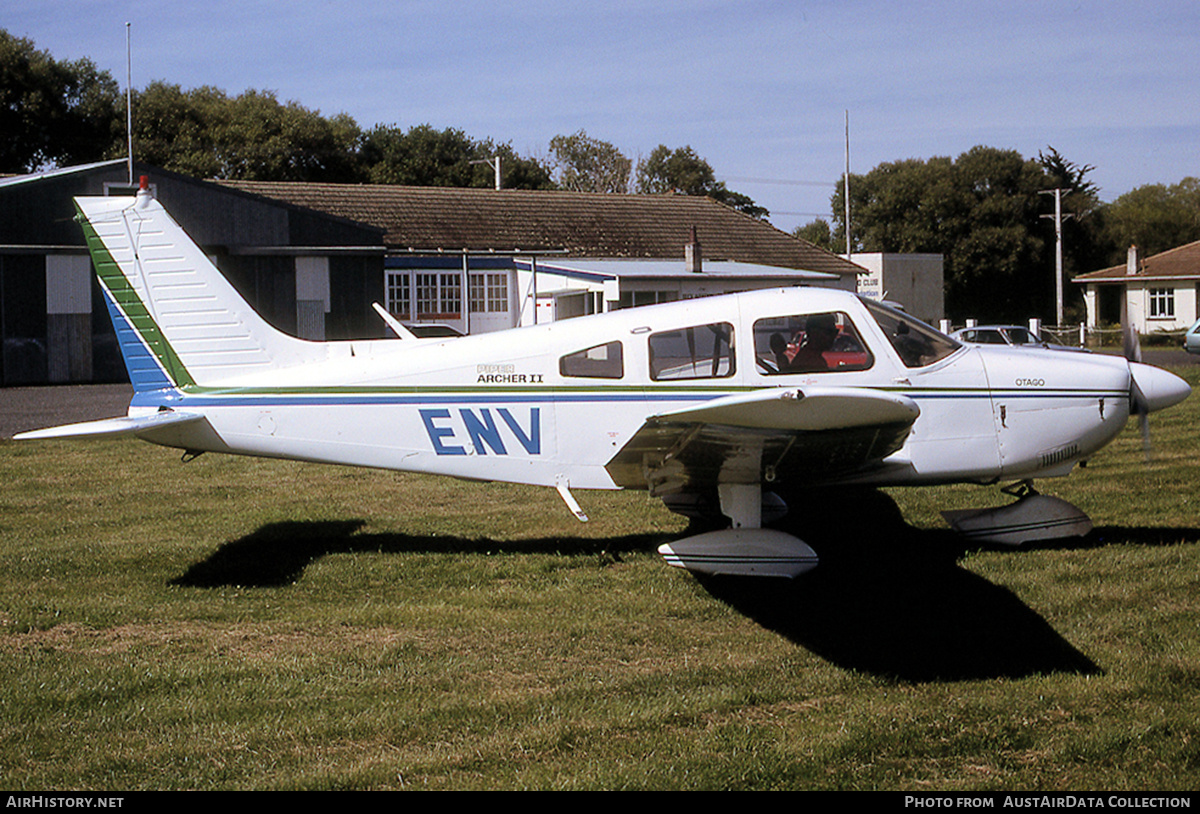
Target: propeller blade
{"x": 1132, "y": 345}
{"x": 1139, "y": 405}
{"x": 1144, "y": 423}
{"x": 1152, "y": 388}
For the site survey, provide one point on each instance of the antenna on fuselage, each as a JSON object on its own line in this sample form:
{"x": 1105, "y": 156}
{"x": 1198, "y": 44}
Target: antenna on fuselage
{"x": 393, "y": 323}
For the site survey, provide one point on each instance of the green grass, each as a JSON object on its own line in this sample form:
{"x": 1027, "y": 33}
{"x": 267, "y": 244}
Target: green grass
{"x": 242, "y": 624}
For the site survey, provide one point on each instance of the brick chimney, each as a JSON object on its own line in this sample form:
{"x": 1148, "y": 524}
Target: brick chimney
{"x": 691, "y": 254}
{"x": 1131, "y": 261}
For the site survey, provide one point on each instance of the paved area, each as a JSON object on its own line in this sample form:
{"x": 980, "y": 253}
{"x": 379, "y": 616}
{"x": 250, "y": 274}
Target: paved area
{"x": 31, "y": 408}
{"x": 1169, "y": 357}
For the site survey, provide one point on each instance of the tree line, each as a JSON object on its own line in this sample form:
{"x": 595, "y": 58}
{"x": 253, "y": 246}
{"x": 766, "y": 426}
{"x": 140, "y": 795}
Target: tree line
{"x": 984, "y": 211}
{"x": 60, "y": 113}
{"x": 989, "y": 210}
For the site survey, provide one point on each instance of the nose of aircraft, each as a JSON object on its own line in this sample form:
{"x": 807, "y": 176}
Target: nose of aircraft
{"x": 1159, "y": 388}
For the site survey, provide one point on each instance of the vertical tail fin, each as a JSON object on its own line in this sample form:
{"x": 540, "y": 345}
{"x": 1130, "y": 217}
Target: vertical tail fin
{"x": 179, "y": 322}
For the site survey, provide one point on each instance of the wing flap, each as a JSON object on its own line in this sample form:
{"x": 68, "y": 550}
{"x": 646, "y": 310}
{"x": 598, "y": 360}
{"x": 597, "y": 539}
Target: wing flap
{"x": 793, "y": 435}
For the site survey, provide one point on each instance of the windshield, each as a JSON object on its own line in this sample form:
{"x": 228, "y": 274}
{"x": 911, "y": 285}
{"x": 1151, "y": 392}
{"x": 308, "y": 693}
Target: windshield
{"x": 1020, "y": 336}
{"x": 916, "y": 343}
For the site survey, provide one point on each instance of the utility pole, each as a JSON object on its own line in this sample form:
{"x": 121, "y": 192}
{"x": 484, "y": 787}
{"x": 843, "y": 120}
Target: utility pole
{"x": 846, "y": 185}
{"x": 1058, "y": 250}
{"x": 494, "y": 163}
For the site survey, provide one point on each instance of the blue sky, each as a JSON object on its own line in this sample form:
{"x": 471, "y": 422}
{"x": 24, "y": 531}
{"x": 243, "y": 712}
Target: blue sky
{"x": 759, "y": 89}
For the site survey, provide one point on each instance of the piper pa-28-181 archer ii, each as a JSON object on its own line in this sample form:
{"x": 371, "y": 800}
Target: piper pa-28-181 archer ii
{"x": 715, "y": 404}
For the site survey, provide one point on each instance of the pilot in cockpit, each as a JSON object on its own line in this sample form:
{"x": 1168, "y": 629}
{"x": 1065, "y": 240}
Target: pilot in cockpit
{"x": 820, "y": 331}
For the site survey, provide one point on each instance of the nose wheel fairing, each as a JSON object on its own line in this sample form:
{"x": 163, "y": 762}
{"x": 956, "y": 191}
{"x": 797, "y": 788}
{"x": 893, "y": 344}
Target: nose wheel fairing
{"x": 1031, "y": 518}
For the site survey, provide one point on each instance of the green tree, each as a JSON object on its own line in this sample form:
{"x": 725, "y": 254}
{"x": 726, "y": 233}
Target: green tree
{"x": 983, "y": 212}
{"x": 1084, "y": 245}
{"x": 684, "y": 172}
{"x": 516, "y": 171}
{"x": 176, "y": 130}
{"x": 584, "y": 164}
{"x": 1154, "y": 217}
{"x": 53, "y": 113}
{"x": 264, "y": 139}
{"x": 203, "y": 132}
{"x": 818, "y": 233}
{"x": 420, "y": 156}
{"x": 425, "y": 156}
{"x": 681, "y": 171}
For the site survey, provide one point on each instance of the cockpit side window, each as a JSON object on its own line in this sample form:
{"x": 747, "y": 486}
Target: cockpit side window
{"x": 702, "y": 352}
{"x": 598, "y": 362}
{"x": 916, "y": 343}
{"x": 809, "y": 343}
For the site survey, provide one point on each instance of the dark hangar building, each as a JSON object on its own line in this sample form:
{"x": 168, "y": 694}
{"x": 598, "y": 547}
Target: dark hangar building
{"x": 313, "y": 258}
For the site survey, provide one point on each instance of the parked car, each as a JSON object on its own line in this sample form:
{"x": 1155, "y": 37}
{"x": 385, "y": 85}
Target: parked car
{"x": 1191, "y": 339}
{"x": 1014, "y": 335}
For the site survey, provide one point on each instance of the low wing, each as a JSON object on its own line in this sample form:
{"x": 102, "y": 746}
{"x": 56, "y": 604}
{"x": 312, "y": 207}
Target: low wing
{"x": 794, "y": 435}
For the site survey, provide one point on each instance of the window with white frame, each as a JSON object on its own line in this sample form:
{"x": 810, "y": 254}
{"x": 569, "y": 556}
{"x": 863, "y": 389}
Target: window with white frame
{"x": 439, "y": 295}
{"x": 489, "y": 293}
{"x": 399, "y": 294}
{"x": 497, "y": 293}
{"x": 1162, "y": 302}
{"x": 632, "y": 299}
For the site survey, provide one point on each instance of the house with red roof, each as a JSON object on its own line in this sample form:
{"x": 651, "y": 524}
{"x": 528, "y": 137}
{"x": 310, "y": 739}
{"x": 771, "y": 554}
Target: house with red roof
{"x": 1160, "y": 293}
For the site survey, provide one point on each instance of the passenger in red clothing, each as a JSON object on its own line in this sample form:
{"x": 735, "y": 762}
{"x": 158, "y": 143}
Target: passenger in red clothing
{"x": 819, "y": 333}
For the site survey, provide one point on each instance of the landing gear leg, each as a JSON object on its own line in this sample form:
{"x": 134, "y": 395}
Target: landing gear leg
{"x": 741, "y": 503}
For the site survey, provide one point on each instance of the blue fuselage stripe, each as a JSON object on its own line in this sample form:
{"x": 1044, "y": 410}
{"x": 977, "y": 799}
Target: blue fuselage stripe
{"x": 181, "y": 399}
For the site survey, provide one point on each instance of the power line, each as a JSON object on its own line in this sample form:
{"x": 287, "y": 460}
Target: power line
{"x": 781, "y": 181}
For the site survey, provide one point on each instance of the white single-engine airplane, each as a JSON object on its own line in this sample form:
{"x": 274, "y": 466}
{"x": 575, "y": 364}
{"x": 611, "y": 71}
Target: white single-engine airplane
{"x": 710, "y": 404}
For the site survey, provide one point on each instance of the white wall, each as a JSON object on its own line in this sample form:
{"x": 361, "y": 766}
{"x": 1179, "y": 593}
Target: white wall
{"x": 913, "y": 280}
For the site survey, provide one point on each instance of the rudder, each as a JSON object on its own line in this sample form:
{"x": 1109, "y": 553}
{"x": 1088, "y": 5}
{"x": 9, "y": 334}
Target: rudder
{"x": 179, "y": 322}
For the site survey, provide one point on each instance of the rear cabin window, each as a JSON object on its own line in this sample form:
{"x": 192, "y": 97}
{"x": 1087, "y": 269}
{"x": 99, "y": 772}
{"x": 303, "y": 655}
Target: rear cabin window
{"x": 598, "y": 362}
{"x": 809, "y": 343}
{"x": 701, "y": 352}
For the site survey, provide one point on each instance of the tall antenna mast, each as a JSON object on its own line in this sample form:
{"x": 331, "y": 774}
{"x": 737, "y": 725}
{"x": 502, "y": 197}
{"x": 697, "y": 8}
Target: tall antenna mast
{"x": 846, "y": 185}
{"x": 129, "y": 99}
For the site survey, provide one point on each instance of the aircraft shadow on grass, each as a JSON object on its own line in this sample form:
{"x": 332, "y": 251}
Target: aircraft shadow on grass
{"x": 888, "y": 599}
{"x": 277, "y": 554}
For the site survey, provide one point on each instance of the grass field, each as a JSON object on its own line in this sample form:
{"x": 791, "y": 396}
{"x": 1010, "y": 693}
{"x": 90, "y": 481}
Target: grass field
{"x": 242, "y": 624}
